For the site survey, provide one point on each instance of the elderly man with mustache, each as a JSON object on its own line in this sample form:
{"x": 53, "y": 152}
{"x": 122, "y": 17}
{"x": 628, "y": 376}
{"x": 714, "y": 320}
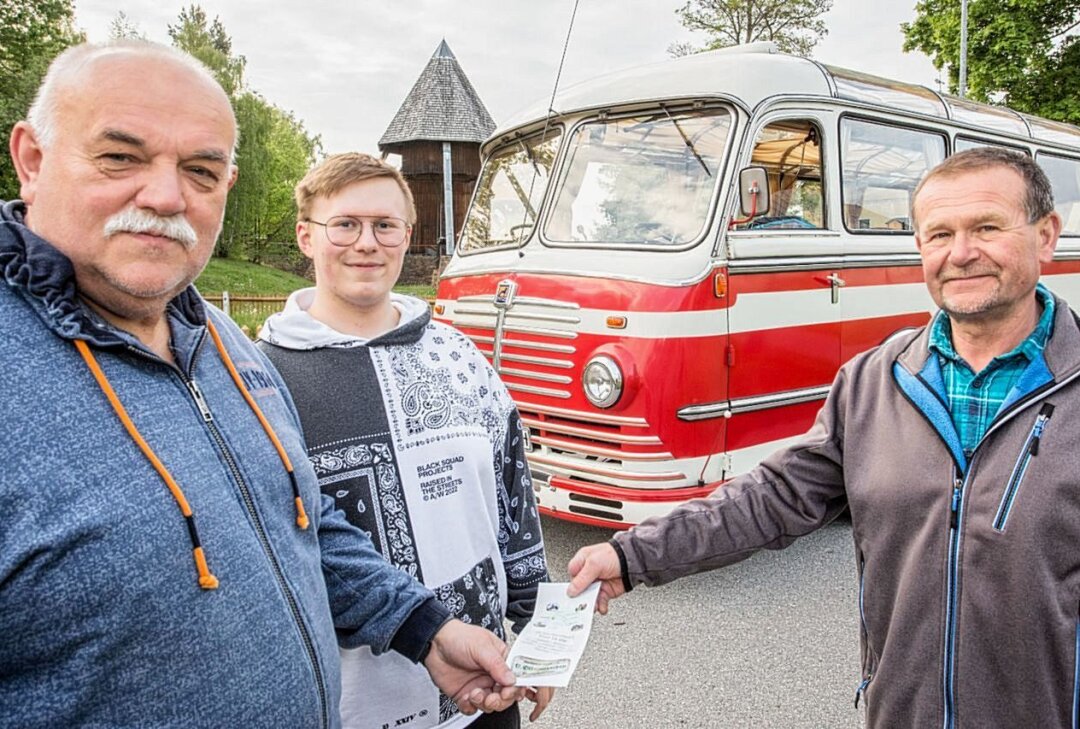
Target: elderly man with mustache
{"x": 166, "y": 558}
{"x": 955, "y": 449}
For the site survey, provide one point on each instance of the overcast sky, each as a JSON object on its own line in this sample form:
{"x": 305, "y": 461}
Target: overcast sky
{"x": 344, "y": 68}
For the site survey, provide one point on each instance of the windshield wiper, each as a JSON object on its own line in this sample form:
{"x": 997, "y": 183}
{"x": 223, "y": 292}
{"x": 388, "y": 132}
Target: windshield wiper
{"x": 689, "y": 144}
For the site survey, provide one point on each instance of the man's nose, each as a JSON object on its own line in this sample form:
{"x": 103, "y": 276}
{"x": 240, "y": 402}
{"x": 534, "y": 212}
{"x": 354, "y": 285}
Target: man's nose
{"x": 964, "y": 248}
{"x": 366, "y": 241}
{"x": 161, "y": 191}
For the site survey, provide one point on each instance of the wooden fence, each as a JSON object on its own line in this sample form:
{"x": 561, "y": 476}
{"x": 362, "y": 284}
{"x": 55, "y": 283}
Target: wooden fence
{"x": 246, "y": 309}
{"x": 251, "y": 311}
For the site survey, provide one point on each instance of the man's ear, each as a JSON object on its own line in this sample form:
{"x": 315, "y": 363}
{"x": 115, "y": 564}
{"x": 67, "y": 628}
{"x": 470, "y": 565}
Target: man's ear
{"x": 1047, "y": 232}
{"x": 303, "y": 239}
{"x": 234, "y": 172}
{"x": 27, "y": 156}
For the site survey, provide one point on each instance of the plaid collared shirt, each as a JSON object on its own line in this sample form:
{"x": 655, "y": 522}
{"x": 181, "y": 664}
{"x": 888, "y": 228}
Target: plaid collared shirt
{"x": 976, "y": 397}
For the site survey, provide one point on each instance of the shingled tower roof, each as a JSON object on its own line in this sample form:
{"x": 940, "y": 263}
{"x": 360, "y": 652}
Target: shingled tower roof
{"x": 442, "y": 106}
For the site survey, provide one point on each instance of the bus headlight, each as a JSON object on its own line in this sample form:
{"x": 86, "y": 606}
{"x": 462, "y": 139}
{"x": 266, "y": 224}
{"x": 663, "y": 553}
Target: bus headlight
{"x": 602, "y": 381}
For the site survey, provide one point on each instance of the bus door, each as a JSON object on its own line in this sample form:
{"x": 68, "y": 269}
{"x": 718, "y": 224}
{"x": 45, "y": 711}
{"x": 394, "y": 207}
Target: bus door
{"x": 784, "y": 313}
{"x": 881, "y": 163}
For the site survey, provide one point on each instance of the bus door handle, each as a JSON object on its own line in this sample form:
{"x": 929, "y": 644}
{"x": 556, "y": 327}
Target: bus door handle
{"x": 835, "y": 282}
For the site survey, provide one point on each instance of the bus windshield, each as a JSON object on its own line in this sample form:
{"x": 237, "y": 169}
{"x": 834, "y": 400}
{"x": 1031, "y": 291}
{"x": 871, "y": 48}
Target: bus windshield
{"x": 641, "y": 180}
{"x": 509, "y": 193}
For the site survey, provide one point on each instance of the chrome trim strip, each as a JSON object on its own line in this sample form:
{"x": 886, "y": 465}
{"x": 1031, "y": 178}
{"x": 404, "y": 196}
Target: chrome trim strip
{"x": 480, "y": 339}
{"x": 512, "y": 314}
{"x": 466, "y": 311}
{"x": 601, "y": 435}
{"x": 561, "y": 394}
{"x": 751, "y": 404}
{"x": 710, "y": 266}
{"x": 588, "y": 417}
{"x": 542, "y": 346}
{"x": 612, "y": 473}
{"x": 562, "y": 364}
{"x": 532, "y": 375}
{"x": 617, "y": 455}
{"x": 478, "y": 298}
{"x": 549, "y": 303}
{"x": 558, "y": 333}
{"x": 780, "y": 265}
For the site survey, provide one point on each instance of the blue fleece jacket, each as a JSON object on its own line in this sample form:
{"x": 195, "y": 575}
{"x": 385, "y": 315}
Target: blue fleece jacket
{"x": 102, "y": 620}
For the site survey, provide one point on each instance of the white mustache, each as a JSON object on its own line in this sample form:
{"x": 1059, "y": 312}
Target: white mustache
{"x": 137, "y": 220}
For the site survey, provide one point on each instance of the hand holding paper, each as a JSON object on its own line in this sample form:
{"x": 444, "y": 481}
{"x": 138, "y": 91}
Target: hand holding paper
{"x": 549, "y": 648}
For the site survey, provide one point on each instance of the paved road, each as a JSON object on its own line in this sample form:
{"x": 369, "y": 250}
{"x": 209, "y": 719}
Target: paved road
{"x": 771, "y": 642}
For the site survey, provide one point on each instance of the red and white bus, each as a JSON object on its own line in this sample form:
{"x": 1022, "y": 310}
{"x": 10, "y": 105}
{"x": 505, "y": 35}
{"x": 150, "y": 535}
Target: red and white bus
{"x": 658, "y": 332}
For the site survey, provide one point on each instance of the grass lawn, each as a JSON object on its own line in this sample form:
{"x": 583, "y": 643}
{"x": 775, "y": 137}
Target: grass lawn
{"x": 241, "y": 278}
{"x": 247, "y": 279}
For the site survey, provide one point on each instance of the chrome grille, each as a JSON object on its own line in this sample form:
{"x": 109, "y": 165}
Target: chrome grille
{"x": 594, "y": 447}
{"x": 547, "y": 318}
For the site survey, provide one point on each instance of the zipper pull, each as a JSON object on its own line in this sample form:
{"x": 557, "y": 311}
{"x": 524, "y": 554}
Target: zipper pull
{"x": 1040, "y": 425}
{"x": 200, "y": 401}
{"x": 957, "y": 486}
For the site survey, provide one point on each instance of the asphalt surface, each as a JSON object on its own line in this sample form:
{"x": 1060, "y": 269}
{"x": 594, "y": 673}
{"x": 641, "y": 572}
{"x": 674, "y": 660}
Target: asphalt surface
{"x": 770, "y": 642}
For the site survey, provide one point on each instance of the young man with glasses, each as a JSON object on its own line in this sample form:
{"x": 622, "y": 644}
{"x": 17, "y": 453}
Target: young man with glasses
{"x": 409, "y": 430}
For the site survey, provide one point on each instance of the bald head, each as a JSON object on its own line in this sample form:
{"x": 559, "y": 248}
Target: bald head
{"x": 69, "y": 72}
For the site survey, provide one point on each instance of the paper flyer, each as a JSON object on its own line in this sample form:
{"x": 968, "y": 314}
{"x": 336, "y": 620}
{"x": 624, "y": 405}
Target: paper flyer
{"x": 549, "y": 648}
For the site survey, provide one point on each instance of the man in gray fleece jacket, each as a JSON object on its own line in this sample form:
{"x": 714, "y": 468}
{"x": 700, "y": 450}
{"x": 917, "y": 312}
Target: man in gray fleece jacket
{"x": 954, "y": 448}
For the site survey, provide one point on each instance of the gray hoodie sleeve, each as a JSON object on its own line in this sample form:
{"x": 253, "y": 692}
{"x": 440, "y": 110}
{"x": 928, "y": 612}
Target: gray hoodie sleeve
{"x": 793, "y": 492}
{"x": 523, "y": 549}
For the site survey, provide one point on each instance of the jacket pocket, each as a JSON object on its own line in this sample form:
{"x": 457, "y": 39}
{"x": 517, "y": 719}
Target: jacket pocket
{"x": 1029, "y": 451}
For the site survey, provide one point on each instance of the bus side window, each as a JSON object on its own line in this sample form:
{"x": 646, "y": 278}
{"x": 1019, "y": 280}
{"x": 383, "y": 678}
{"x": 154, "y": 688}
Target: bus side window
{"x": 1064, "y": 174}
{"x": 880, "y": 168}
{"x": 790, "y": 151}
{"x": 962, "y": 144}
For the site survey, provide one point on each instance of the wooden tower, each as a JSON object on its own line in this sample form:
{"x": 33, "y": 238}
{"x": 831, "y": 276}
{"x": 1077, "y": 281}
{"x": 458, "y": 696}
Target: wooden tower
{"x": 438, "y": 131}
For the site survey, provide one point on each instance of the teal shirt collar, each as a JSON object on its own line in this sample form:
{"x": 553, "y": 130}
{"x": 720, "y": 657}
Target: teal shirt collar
{"x": 1030, "y": 348}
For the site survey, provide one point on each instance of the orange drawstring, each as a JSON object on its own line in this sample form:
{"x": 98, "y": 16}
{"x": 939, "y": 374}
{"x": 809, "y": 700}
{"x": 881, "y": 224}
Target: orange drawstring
{"x": 207, "y": 581}
{"x": 301, "y": 515}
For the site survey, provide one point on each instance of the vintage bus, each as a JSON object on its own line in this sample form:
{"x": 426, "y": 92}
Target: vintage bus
{"x": 669, "y": 265}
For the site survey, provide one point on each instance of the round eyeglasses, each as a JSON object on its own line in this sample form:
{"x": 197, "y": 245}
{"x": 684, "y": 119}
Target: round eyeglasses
{"x": 345, "y": 230}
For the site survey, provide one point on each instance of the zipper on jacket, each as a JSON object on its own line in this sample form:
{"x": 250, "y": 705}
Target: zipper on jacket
{"x": 1076, "y": 680}
{"x": 955, "y": 512}
{"x": 869, "y": 667}
{"x": 1030, "y": 449}
{"x": 249, "y": 504}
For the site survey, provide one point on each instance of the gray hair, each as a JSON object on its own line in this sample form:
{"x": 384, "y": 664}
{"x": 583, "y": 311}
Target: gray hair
{"x": 66, "y": 66}
{"x": 1038, "y": 196}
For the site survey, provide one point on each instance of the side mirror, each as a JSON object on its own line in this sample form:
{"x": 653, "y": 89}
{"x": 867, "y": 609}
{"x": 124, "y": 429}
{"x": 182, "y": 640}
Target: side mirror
{"x": 753, "y": 191}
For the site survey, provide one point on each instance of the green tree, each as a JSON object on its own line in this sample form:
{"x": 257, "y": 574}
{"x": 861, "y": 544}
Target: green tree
{"x": 795, "y": 25}
{"x": 122, "y": 27}
{"x": 209, "y": 42}
{"x": 1020, "y": 52}
{"x": 31, "y": 36}
{"x": 273, "y": 152}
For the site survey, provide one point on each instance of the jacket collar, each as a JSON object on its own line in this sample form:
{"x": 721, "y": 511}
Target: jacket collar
{"x": 45, "y": 279}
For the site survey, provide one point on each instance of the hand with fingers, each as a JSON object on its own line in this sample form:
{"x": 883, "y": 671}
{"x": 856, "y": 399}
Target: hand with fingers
{"x": 592, "y": 563}
{"x": 468, "y": 664}
{"x": 541, "y": 696}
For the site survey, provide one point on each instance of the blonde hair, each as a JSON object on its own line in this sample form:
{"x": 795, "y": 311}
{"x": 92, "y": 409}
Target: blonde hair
{"x": 338, "y": 171}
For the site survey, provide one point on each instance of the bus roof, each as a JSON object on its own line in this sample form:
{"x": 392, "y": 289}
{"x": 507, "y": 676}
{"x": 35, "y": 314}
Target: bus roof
{"x": 756, "y": 72}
